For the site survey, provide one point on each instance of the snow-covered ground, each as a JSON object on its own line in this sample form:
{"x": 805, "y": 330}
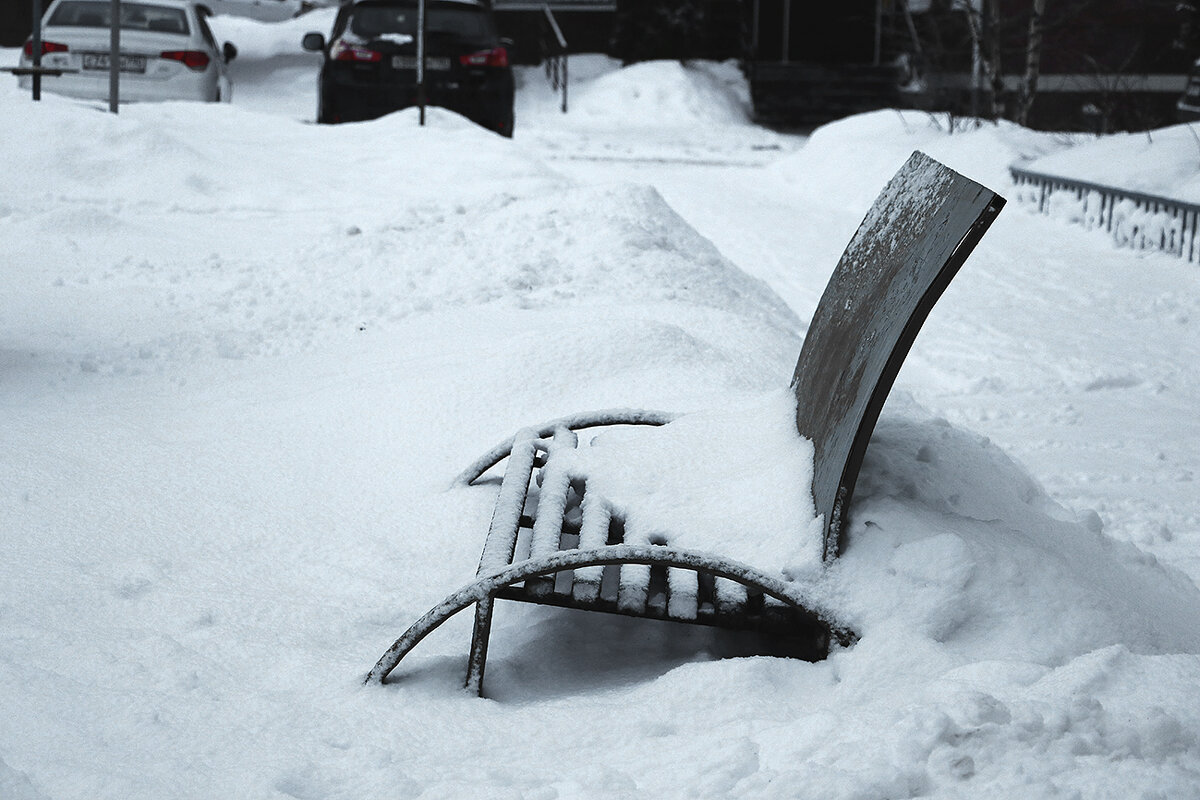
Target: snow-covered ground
{"x": 1162, "y": 162}
{"x": 244, "y": 357}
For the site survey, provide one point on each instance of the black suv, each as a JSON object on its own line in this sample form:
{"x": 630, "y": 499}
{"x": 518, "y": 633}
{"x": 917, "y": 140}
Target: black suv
{"x": 370, "y": 64}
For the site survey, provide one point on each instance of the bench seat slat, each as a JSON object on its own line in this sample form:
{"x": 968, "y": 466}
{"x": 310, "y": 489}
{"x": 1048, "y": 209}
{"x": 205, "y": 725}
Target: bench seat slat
{"x": 731, "y": 596}
{"x": 593, "y": 532}
{"x": 552, "y": 501}
{"x": 634, "y": 585}
{"x": 510, "y": 504}
{"x": 683, "y": 590}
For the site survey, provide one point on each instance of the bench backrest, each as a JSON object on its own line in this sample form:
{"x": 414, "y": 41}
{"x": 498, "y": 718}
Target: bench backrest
{"x": 920, "y": 230}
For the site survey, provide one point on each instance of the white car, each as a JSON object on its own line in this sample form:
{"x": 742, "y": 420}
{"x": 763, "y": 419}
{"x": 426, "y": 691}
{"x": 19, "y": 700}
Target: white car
{"x": 168, "y": 52}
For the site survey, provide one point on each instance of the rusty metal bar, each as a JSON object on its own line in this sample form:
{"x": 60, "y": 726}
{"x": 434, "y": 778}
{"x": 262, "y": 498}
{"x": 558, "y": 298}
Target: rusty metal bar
{"x": 575, "y": 422}
{"x": 485, "y": 586}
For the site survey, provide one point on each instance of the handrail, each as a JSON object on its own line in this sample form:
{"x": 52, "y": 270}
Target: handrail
{"x": 557, "y": 64}
{"x": 1133, "y": 219}
{"x": 558, "y": 34}
{"x": 575, "y": 422}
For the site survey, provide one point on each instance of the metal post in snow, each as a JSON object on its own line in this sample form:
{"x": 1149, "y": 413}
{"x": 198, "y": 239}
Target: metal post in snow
{"x": 114, "y": 55}
{"x": 787, "y": 30}
{"x": 37, "y": 49}
{"x": 754, "y": 31}
{"x": 421, "y": 58}
{"x": 878, "y": 33}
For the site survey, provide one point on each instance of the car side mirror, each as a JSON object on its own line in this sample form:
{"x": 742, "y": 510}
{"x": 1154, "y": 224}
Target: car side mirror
{"x": 229, "y": 51}
{"x": 313, "y": 41}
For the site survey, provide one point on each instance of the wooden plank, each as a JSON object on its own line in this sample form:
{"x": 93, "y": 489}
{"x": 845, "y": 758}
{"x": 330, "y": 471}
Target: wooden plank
{"x": 683, "y": 590}
{"x": 552, "y": 502}
{"x": 634, "y": 588}
{"x": 593, "y": 532}
{"x": 510, "y": 505}
{"x": 731, "y": 597}
{"x": 918, "y": 233}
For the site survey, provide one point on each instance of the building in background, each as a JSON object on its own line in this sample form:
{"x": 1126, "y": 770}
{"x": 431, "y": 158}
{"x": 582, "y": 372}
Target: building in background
{"x": 16, "y": 22}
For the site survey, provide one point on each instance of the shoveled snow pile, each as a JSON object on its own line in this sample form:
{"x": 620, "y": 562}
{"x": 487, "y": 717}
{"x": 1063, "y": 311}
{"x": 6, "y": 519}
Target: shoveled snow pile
{"x": 650, "y": 94}
{"x": 1163, "y": 162}
{"x": 652, "y": 112}
{"x": 881, "y": 141}
{"x": 258, "y": 42}
{"x": 244, "y": 358}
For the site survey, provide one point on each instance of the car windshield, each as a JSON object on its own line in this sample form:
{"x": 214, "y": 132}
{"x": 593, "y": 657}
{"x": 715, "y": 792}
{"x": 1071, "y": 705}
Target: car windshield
{"x": 371, "y": 20}
{"x": 134, "y": 16}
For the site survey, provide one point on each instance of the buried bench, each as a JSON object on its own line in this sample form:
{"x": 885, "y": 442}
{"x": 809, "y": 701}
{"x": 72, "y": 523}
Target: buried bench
{"x": 552, "y": 541}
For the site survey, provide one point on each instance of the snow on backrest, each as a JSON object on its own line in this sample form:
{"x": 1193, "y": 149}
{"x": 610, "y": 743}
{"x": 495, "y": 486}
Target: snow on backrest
{"x": 920, "y": 230}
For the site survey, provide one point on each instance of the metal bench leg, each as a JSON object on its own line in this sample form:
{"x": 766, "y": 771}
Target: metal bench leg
{"x": 479, "y": 645}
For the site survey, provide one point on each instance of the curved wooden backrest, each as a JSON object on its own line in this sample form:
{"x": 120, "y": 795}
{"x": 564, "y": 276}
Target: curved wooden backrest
{"x": 920, "y": 230}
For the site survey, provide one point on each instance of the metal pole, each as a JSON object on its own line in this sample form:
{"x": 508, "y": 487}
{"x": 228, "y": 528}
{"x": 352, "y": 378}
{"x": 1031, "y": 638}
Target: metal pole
{"x": 566, "y": 79}
{"x": 878, "y": 31}
{"x": 754, "y": 32}
{"x": 114, "y": 55}
{"x": 787, "y": 29}
{"x": 37, "y": 49}
{"x": 421, "y": 58}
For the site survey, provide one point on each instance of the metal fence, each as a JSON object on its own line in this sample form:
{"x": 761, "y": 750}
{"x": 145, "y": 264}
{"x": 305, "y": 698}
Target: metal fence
{"x": 1132, "y": 219}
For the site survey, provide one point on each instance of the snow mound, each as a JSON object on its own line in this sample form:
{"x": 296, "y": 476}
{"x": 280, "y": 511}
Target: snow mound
{"x": 700, "y": 483}
{"x": 649, "y": 94}
{"x": 581, "y": 247}
{"x": 1164, "y": 162}
{"x": 257, "y": 40}
{"x": 878, "y": 143}
{"x": 205, "y": 158}
{"x": 953, "y": 542}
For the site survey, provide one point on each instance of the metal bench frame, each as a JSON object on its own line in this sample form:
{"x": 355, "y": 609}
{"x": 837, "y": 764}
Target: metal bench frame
{"x": 553, "y": 542}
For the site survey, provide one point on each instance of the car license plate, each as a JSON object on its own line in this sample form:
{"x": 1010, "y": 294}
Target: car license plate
{"x": 432, "y": 63}
{"x": 128, "y": 63}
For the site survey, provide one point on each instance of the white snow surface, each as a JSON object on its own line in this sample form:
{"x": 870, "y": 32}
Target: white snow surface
{"x": 244, "y": 357}
{"x": 1162, "y": 162}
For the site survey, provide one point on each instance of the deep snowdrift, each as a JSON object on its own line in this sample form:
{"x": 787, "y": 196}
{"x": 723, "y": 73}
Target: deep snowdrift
{"x": 1164, "y": 162}
{"x": 245, "y": 356}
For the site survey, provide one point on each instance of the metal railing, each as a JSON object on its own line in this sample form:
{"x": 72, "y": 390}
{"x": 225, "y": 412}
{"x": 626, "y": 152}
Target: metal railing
{"x": 1131, "y": 219}
{"x": 556, "y": 62}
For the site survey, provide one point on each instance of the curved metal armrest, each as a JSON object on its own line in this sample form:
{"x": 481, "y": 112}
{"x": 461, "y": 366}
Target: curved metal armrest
{"x": 485, "y": 586}
{"x": 574, "y": 422}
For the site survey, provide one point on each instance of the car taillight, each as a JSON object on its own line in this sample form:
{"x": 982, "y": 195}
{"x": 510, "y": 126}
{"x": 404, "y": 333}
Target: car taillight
{"x": 343, "y": 51}
{"x": 192, "y": 59}
{"x": 496, "y": 57}
{"x": 47, "y": 47}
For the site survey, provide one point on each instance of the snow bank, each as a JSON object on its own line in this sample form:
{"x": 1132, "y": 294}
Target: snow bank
{"x": 716, "y": 481}
{"x": 257, "y": 41}
{"x": 878, "y": 144}
{"x": 951, "y": 531}
{"x": 1161, "y": 164}
{"x": 651, "y": 94}
{"x": 1164, "y": 162}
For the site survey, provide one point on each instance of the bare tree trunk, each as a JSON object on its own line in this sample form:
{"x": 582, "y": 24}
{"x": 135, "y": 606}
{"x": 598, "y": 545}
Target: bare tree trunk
{"x": 1033, "y": 61}
{"x": 984, "y": 25}
{"x": 991, "y": 39}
